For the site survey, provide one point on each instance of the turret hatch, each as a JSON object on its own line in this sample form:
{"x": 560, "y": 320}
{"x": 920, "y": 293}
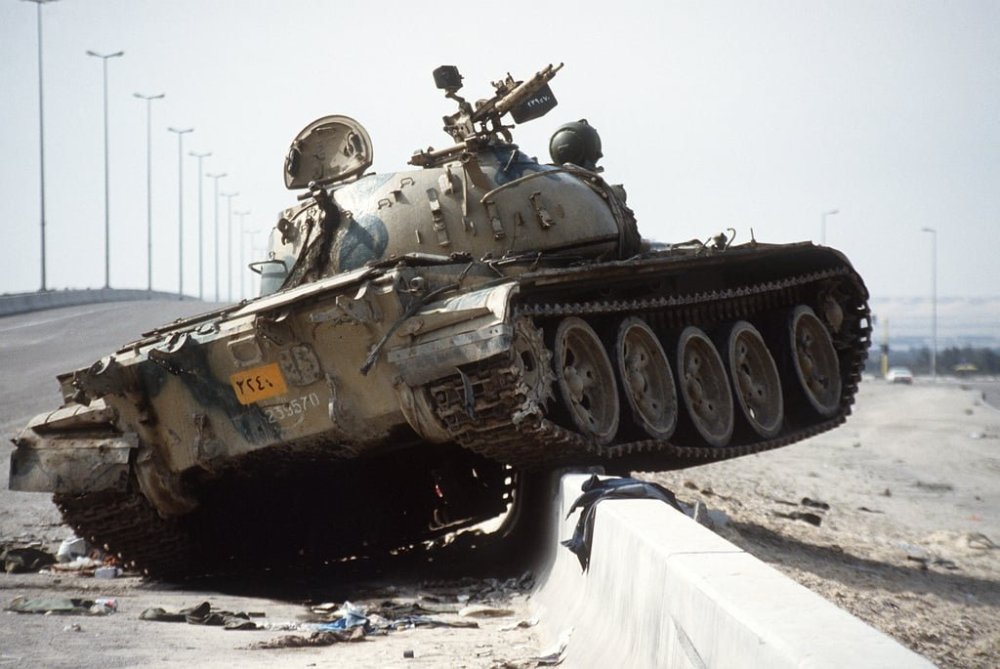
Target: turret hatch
{"x": 330, "y": 149}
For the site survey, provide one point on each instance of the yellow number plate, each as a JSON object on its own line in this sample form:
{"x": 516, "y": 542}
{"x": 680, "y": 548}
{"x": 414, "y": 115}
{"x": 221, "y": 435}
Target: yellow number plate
{"x": 258, "y": 383}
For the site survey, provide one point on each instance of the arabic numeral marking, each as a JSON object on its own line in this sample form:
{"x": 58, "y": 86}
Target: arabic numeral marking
{"x": 295, "y": 407}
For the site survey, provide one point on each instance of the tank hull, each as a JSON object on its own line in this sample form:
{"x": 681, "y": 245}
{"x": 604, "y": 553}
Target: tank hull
{"x": 437, "y": 396}
{"x": 437, "y": 335}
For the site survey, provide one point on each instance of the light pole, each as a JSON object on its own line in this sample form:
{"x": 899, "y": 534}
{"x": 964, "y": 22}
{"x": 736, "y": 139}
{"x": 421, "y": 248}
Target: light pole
{"x": 149, "y": 184}
{"x": 241, "y": 267}
{"x": 822, "y": 237}
{"x": 255, "y": 251}
{"x": 41, "y": 131}
{"x": 216, "y": 178}
{"x": 201, "y": 236}
{"x": 107, "y": 206}
{"x": 933, "y": 300}
{"x": 229, "y": 238}
{"x": 180, "y": 132}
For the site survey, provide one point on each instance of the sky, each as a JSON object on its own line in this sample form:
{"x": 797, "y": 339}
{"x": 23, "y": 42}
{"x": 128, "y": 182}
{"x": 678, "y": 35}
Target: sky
{"x": 748, "y": 115}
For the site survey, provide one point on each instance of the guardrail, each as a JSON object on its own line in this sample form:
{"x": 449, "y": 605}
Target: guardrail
{"x": 21, "y": 303}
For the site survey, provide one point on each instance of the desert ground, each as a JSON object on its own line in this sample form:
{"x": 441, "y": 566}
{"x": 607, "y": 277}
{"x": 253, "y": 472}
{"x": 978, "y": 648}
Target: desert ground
{"x": 906, "y": 498}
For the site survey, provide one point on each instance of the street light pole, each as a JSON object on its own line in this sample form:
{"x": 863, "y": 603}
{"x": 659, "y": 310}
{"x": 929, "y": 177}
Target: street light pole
{"x": 41, "y": 131}
{"x": 933, "y": 300}
{"x": 216, "y": 178}
{"x": 107, "y": 206}
{"x": 822, "y": 237}
{"x": 180, "y": 132}
{"x": 241, "y": 267}
{"x": 149, "y": 184}
{"x": 229, "y": 237}
{"x": 258, "y": 252}
{"x": 201, "y": 236}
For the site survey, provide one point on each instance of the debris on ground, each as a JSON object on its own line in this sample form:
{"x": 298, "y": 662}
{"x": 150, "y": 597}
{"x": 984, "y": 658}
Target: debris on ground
{"x": 484, "y": 611}
{"x": 978, "y": 541}
{"x": 446, "y": 604}
{"x": 811, "y": 518}
{"x": 107, "y": 572}
{"x": 27, "y": 559}
{"x": 202, "y": 614}
{"x": 713, "y": 519}
{"x": 520, "y": 624}
{"x": 313, "y": 640}
{"x": 63, "y": 606}
{"x": 72, "y": 547}
{"x": 556, "y": 654}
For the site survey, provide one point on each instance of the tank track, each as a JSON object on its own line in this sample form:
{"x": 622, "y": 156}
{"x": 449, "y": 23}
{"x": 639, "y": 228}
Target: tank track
{"x": 126, "y": 524}
{"x": 506, "y": 425}
{"x": 222, "y": 537}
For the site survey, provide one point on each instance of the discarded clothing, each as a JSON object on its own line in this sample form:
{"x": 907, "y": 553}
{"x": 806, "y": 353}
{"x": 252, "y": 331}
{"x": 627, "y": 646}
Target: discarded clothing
{"x": 202, "y": 614}
{"x": 26, "y": 560}
{"x": 596, "y": 490}
{"x": 314, "y": 639}
{"x": 62, "y": 606}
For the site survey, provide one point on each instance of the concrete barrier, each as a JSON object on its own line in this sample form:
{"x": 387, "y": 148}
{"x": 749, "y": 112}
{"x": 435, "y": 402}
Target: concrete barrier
{"x": 664, "y": 591}
{"x": 21, "y": 303}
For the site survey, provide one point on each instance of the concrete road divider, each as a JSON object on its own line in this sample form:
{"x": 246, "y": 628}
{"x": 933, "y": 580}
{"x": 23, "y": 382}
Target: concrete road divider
{"x": 664, "y": 591}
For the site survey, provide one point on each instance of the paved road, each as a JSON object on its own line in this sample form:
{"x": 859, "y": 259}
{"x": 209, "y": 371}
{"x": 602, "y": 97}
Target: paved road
{"x": 36, "y": 347}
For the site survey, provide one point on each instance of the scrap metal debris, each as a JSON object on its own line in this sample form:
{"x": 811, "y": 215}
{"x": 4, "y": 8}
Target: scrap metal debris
{"x": 596, "y": 490}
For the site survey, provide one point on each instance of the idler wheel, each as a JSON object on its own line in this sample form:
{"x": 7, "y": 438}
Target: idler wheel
{"x": 816, "y": 364}
{"x": 647, "y": 382}
{"x": 586, "y": 380}
{"x": 705, "y": 387}
{"x": 756, "y": 383}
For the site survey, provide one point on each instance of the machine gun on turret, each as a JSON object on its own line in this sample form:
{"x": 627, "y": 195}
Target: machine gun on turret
{"x": 524, "y": 100}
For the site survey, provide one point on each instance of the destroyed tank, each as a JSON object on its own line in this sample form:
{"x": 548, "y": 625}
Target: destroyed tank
{"x": 426, "y": 337}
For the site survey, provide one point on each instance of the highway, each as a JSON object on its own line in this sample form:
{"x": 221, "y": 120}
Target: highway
{"x": 37, "y": 346}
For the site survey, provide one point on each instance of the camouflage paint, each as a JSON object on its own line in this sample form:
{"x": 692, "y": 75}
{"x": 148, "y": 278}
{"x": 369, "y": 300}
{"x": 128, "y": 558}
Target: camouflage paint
{"x": 189, "y": 363}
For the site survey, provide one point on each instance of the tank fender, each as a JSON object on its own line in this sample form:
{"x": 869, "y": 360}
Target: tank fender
{"x": 454, "y": 332}
{"x": 73, "y": 450}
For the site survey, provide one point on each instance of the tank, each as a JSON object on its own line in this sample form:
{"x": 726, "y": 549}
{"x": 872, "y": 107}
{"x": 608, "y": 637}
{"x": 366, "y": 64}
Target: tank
{"x": 425, "y": 339}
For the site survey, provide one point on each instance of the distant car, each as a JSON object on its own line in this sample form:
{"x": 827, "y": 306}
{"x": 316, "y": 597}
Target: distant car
{"x": 899, "y": 375}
